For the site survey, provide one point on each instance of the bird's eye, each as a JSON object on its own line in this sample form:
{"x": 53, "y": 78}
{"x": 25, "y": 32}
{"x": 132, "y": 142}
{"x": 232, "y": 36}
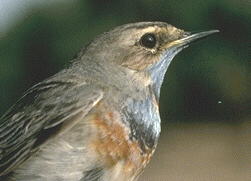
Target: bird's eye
{"x": 148, "y": 40}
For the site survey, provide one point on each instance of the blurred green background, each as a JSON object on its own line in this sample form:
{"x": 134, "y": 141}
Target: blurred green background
{"x": 209, "y": 81}
{"x": 205, "y": 98}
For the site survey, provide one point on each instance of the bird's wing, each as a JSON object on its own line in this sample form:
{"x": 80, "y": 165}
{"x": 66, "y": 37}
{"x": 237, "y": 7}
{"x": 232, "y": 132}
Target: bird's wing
{"x": 40, "y": 114}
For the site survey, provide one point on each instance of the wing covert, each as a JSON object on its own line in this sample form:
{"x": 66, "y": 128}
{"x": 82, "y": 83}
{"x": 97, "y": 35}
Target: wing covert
{"x": 39, "y": 115}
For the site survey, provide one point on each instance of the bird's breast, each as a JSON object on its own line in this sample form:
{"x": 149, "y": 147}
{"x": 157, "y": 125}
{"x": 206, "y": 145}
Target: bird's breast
{"x": 114, "y": 145}
{"x": 127, "y": 137}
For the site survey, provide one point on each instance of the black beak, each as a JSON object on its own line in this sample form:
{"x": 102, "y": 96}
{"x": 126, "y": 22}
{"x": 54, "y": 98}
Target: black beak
{"x": 191, "y": 37}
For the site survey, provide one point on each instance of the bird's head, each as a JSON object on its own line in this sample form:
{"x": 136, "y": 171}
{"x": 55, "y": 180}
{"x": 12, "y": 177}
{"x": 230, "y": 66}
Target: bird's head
{"x": 144, "y": 48}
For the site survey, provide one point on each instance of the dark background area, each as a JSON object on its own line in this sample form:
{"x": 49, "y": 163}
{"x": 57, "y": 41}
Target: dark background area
{"x": 207, "y": 83}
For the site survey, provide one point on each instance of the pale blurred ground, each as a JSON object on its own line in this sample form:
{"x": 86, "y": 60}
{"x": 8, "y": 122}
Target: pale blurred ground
{"x": 202, "y": 152}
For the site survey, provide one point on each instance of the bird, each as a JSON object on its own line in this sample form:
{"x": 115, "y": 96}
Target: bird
{"x": 98, "y": 117}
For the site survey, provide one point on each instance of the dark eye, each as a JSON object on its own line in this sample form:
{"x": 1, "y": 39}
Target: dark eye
{"x": 148, "y": 40}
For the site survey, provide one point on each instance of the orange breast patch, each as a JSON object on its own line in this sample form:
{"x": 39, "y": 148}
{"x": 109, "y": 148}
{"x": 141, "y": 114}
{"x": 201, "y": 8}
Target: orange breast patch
{"x": 112, "y": 142}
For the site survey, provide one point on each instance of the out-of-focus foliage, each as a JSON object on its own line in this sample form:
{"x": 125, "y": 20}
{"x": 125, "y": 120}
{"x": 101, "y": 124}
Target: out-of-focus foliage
{"x": 209, "y": 80}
